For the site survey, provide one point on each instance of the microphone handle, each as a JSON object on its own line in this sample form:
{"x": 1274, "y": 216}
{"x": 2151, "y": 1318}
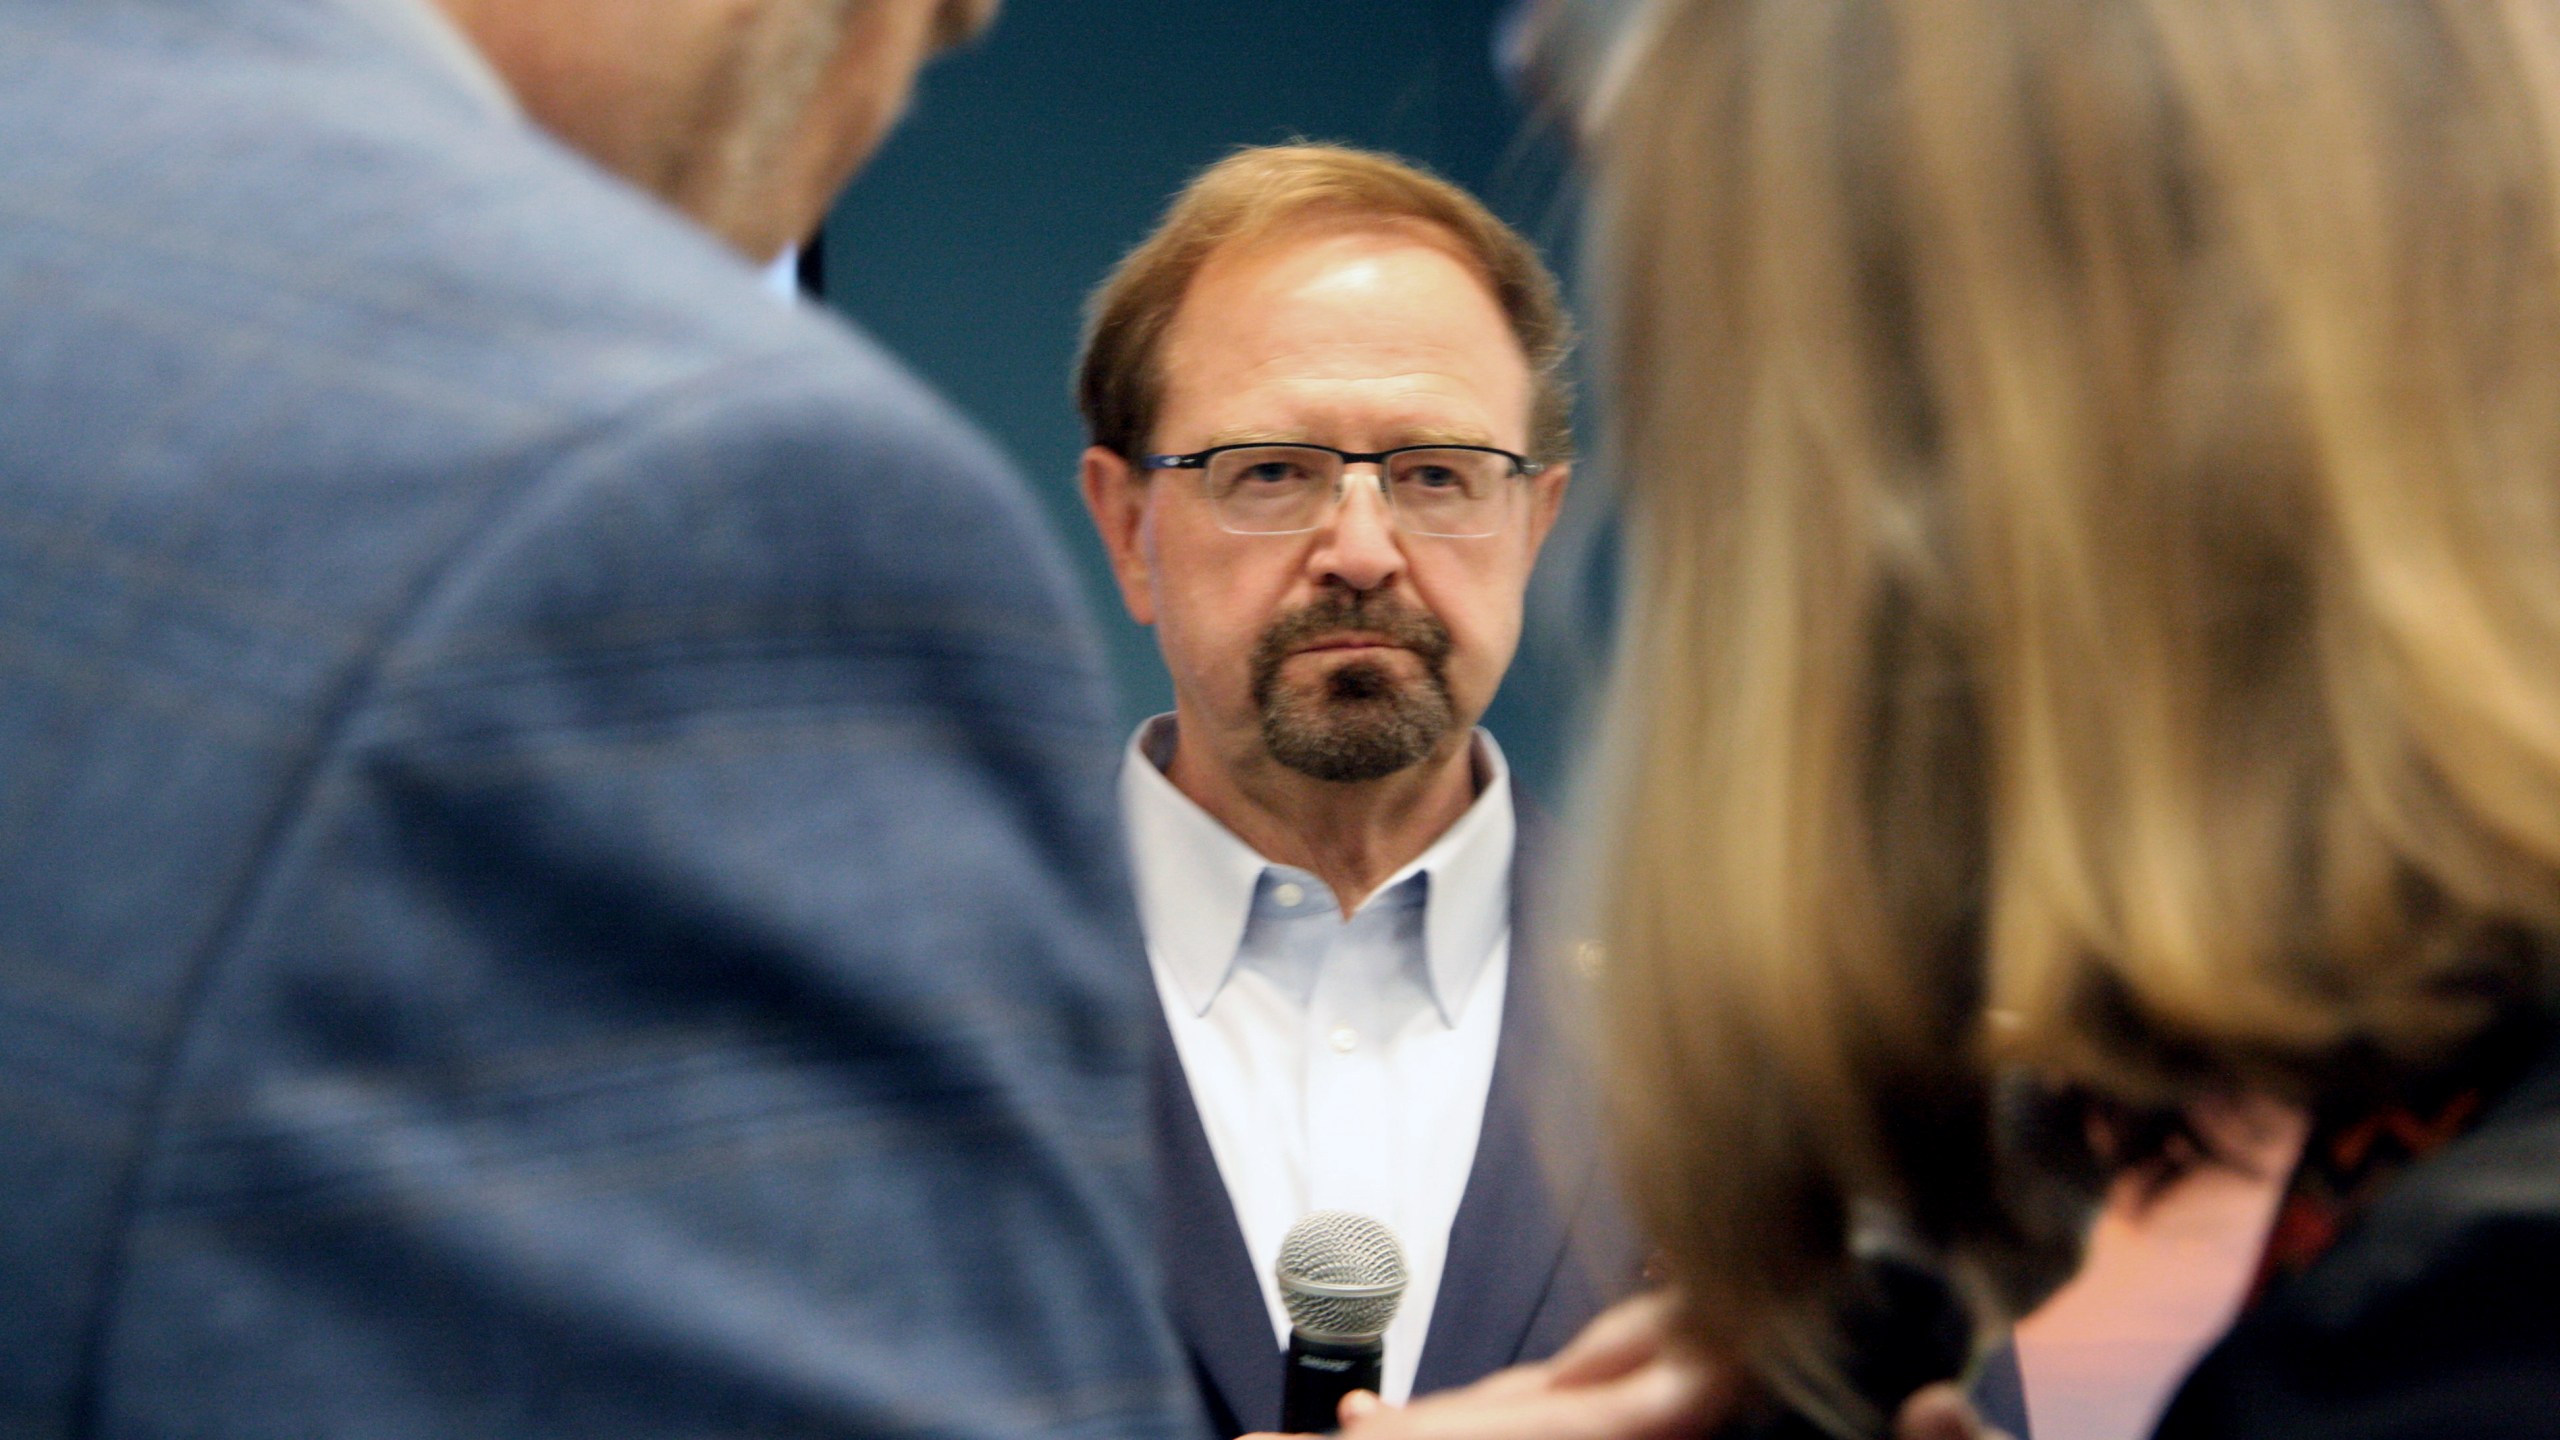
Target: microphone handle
{"x": 1321, "y": 1372}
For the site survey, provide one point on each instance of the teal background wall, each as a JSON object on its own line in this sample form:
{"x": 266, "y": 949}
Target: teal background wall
{"x": 1033, "y": 160}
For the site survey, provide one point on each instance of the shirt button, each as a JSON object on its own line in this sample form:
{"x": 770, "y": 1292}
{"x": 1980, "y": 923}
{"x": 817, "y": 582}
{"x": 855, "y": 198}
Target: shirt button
{"x": 1288, "y": 892}
{"x": 1345, "y": 1039}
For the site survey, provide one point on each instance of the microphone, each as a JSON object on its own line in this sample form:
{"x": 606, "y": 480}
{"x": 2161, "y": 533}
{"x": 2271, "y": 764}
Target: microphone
{"x": 1341, "y": 1277}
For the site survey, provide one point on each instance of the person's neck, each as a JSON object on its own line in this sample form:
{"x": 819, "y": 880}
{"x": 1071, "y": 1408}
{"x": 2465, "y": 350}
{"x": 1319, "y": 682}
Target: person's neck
{"x": 1350, "y": 836}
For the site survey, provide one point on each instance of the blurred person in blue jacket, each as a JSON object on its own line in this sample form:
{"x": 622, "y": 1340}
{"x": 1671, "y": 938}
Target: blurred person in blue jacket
{"x": 555, "y": 815}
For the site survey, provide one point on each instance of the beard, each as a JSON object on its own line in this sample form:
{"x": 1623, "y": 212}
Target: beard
{"x": 1361, "y": 720}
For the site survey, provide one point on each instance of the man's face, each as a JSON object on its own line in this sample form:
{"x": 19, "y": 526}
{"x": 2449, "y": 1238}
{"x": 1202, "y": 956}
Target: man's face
{"x": 1354, "y": 650}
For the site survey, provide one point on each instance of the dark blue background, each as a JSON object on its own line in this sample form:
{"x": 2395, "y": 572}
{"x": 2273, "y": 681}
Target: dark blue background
{"x": 1032, "y": 161}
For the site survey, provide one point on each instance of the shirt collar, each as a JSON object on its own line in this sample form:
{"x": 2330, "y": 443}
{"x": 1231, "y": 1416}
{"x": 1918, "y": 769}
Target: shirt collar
{"x": 1196, "y": 880}
{"x": 423, "y": 29}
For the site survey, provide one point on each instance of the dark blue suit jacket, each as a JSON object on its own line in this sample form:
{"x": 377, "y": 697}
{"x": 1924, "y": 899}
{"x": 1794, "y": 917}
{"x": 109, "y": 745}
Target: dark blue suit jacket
{"x": 1538, "y": 1247}
{"x": 557, "y": 863}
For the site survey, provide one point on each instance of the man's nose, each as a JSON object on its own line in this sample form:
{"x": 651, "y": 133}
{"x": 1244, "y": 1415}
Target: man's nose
{"x": 1358, "y": 546}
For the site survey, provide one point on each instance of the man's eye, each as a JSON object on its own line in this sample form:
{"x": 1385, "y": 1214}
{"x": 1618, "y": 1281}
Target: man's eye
{"x": 1271, "y": 472}
{"x": 1434, "y": 477}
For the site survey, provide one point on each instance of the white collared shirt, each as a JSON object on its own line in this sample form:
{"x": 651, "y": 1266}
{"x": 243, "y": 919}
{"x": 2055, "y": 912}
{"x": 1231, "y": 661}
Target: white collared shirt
{"x": 1336, "y": 1064}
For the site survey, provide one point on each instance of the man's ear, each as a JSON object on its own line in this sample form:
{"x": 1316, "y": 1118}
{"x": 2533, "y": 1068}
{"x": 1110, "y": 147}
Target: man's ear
{"x": 1546, "y": 501}
{"x": 1116, "y": 496}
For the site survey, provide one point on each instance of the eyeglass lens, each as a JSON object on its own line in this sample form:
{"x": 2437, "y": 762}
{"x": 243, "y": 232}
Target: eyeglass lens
{"x": 1284, "y": 489}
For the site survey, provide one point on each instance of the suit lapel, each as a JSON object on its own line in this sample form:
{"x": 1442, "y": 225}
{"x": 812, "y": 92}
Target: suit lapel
{"x": 1508, "y": 1245}
{"x": 1214, "y": 1295}
{"x": 1509, "y": 1239}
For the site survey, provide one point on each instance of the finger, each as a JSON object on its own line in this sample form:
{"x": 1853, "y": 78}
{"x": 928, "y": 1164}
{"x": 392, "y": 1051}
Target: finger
{"x": 1624, "y": 1336}
{"x": 1940, "y": 1412}
{"x": 1671, "y": 1398}
{"x": 1357, "y": 1406}
{"x": 1537, "y": 1375}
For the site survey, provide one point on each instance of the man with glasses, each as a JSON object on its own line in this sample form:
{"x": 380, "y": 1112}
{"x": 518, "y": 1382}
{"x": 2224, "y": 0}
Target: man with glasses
{"x": 1330, "y": 432}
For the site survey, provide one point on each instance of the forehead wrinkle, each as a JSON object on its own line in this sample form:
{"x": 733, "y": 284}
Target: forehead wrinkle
{"x": 1406, "y": 435}
{"x": 1330, "y": 346}
{"x": 1422, "y": 400}
{"x": 1322, "y": 355}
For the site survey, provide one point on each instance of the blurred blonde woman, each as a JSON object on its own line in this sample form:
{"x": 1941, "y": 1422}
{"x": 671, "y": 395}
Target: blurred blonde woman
{"x": 2093, "y": 479}
{"x": 2093, "y": 482}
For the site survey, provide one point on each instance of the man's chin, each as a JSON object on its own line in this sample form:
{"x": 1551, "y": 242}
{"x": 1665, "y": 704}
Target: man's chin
{"x": 1351, "y": 739}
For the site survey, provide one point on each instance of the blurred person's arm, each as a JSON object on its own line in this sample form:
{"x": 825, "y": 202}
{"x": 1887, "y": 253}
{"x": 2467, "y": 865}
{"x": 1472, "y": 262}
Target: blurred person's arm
{"x": 1620, "y": 1379}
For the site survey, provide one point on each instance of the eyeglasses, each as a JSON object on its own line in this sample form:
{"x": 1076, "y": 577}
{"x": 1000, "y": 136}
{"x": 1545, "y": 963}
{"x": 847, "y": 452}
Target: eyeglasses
{"x": 1458, "y": 491}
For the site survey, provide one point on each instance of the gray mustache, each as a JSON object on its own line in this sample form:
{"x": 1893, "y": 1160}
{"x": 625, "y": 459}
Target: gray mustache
{"x": 1410, "y": 629}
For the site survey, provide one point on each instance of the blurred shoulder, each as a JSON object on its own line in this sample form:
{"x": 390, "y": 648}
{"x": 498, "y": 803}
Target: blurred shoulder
{"x": 2431, "y": 1316}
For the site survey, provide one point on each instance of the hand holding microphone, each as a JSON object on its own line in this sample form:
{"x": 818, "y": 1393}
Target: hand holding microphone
{"x": 1342, "y": 1275}
{"x": 1623, "y": 1378}
{"x": 1620, "y": 1379}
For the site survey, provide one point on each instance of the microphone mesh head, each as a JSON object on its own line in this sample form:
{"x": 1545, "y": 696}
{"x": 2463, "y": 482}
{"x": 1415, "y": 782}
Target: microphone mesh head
{"x": 1341, "y": 1275}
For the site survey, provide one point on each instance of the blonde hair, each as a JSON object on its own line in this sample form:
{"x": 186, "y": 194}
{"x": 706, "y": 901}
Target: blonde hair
{"x": 2093, "y": 494}
{"x": 1261, "y": 193}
